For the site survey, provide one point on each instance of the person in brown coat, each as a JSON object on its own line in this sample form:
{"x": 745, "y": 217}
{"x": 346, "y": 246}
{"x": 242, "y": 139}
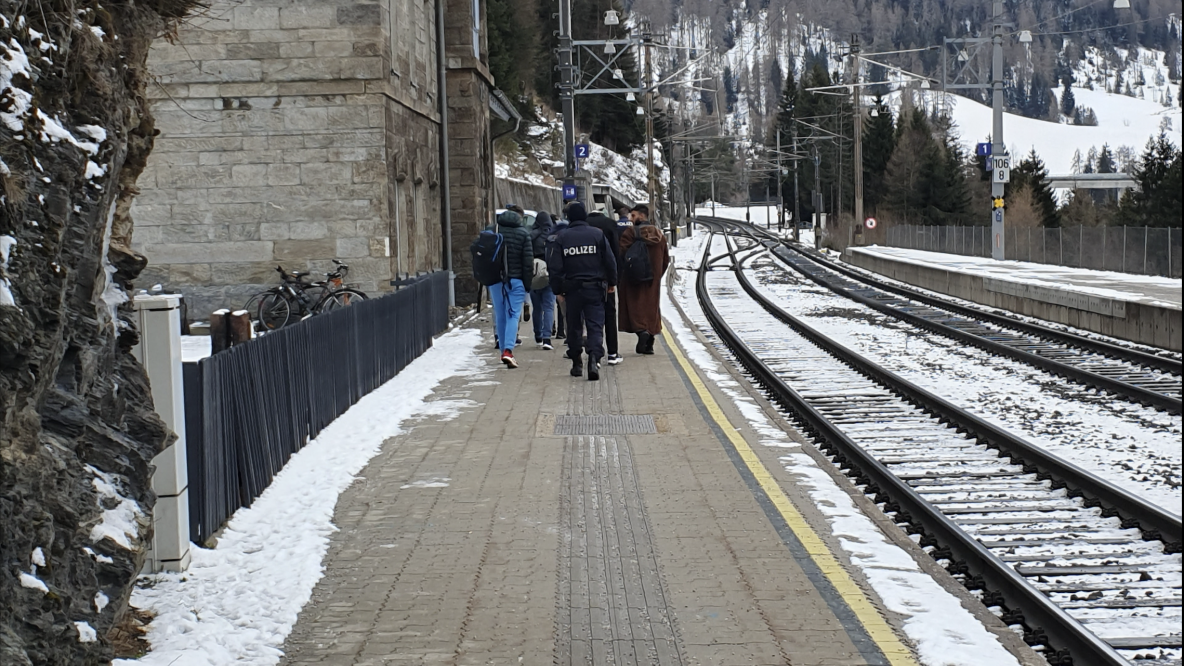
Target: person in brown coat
{"x": 638, "y": 307}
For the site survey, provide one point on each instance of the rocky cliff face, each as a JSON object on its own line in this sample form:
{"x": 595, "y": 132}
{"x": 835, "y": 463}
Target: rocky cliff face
{"x": 77, "y": 426}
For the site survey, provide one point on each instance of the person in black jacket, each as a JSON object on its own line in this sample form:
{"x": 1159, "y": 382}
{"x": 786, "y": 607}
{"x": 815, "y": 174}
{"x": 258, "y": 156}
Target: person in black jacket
{"x": 612, "y": 231}
{"x": 583, "y": 268}
{"x": 507, "y": 298}
{"x": 541, "y": 297}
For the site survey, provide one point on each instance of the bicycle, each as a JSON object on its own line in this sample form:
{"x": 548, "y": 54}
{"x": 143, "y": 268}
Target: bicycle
{"x": 296, "y": 300}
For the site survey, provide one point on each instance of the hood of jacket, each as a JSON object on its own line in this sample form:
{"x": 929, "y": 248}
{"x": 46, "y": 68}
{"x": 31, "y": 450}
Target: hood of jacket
{"x": 650, "y": 234}
{"x": 509, "y": 219}
{"x": 543, "y": 221}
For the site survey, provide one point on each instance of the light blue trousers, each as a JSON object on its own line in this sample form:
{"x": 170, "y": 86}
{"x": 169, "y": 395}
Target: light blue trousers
{"x": 507, "y": 299}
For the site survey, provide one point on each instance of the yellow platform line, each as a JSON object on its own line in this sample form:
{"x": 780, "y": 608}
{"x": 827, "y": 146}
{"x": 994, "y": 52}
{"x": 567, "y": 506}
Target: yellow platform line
{"x": 874, "y": 624}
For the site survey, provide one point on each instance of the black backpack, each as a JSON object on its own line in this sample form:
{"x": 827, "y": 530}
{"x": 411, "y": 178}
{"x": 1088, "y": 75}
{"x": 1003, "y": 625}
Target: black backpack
{"x": 637, "y": 262}
{"x": 489, "y": 258}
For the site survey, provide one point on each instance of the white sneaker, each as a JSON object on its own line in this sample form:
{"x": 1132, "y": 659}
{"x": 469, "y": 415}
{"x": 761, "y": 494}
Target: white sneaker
{"x": 547, "y": 345}
{"x": 614, "y": 359}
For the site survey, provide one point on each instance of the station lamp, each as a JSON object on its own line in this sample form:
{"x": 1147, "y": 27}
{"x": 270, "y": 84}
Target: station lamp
{"x": 609, "y": 47}
{"x": 630, "y": 97}
{"x": 611, "y": 17}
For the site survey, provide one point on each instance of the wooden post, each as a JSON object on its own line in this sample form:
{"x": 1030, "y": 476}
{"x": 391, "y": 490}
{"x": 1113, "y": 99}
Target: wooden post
{"x": 238, "y": 327}
{"x": 219, "y": 338}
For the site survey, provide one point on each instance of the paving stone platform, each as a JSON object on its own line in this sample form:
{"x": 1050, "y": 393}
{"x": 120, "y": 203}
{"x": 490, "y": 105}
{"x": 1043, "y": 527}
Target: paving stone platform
{"x": 552, "y": 520}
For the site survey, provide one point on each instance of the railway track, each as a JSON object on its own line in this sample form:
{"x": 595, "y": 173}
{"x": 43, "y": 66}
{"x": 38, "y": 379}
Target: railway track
{"x": 1131, "y": 374}
{"x": 1089, "y": 571}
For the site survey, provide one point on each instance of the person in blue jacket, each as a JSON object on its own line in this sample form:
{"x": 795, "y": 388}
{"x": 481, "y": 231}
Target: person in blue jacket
{"x": 583, "y": 269}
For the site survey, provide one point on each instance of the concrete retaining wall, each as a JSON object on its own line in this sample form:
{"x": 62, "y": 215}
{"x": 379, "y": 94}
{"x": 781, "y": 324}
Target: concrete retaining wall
{"x": 1128, "y": 320}
{"x": 529, "y": 195}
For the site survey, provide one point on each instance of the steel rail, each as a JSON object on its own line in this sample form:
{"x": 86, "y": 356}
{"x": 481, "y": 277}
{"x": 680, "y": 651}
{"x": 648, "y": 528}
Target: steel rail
{"x": 1138, "y": 357}
{"x": 1046, "y": 622}
{"x": 1085, "y": 377}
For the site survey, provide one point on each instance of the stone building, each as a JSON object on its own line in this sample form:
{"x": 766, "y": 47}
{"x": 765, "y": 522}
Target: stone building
{"x": 294, "y": 132}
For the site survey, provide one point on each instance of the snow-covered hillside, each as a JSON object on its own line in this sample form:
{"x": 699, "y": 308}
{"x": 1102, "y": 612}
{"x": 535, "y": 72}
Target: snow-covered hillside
{"x": 1122, "y": 121}
{"x": 539, "y": 159}
{"x": 1130, "y": 91}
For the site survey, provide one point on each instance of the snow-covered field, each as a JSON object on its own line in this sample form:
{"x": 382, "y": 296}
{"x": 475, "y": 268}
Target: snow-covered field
{"x": 238, "y": 601}
{"x": 944, "y": 633}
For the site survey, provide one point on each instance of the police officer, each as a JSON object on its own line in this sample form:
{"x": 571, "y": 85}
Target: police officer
{"x": 583, "y": 268}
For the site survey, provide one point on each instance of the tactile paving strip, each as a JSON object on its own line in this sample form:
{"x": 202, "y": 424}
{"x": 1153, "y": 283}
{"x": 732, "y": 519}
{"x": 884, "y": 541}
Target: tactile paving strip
{"x": 605, "y": 424}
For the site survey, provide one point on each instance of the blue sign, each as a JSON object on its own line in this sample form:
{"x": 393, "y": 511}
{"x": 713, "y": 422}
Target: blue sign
{"x": 982, "y": 149}
{"x": 998, "y": 214}
{"x": 569, "y": 192}
{"x": 583, "y": 151}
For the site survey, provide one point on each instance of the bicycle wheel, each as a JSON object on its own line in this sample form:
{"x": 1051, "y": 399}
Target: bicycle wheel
{"x": 274, "y": 311}
{"x": 342, "y": 298}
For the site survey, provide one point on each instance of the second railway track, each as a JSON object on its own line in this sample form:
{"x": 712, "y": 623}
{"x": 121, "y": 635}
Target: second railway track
{"x": 1127, "y": 373}
{"x": 1089, "y": 570}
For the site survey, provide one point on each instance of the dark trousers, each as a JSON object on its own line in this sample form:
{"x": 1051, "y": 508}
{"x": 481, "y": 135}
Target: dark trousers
{"x": 610, "y": 323}
{"x": 560, "y": 319}
{"x": 585, "y": 310}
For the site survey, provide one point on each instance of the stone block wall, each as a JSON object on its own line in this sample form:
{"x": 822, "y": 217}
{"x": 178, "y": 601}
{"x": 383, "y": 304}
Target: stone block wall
{"x": 469, "y": 141}
{"x": 292, "y": 133}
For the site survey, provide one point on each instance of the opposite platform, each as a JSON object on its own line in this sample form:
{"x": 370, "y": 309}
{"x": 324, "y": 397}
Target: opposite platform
{"x": 1139, "y": 308}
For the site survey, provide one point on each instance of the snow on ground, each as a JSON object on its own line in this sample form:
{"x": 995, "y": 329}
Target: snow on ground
{"x": 238, "y": 601}
{"x": 1135, "y": 447}
{"x": 1122, "y": 121}
{"x": 1147, "y": 289}
{"x": 195, "y": 347}
{"x": 944, "y": 633}
{"x": 761, "y": 216}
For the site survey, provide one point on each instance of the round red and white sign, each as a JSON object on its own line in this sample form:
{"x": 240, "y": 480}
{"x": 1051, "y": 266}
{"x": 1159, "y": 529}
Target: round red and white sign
{"x": 870, "y": 223}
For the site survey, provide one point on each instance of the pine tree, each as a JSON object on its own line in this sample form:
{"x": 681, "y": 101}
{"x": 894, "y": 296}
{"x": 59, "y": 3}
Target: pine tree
{"x": 879, "y": 140}
{"x": 1068, "y": 101}
{"x": 787, "y": 107}
{"x": 1032, "y": 175}
{"x": 1156, "y": 202}
{"x": 904, "y": 198}
{"x": 1105, "y": 163}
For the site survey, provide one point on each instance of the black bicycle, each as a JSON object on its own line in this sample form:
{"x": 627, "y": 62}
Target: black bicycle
{"x": 296, "y": 299}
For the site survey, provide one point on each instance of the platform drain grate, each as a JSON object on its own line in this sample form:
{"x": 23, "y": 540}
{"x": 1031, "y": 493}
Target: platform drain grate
{"x": 605, "y": 424}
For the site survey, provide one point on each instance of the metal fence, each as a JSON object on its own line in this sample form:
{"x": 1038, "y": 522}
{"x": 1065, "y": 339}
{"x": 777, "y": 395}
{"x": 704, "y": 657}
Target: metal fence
{"x": 248, "y": 409}
{"x": 1139, "y": 250}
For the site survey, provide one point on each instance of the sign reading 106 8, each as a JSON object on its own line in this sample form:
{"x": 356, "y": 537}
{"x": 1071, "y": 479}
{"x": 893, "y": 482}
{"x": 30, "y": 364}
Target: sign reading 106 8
{"x": 1000, "y": 168}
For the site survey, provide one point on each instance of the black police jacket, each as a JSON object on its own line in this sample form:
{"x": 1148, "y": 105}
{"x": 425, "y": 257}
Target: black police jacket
{"x": 578, "y": 255}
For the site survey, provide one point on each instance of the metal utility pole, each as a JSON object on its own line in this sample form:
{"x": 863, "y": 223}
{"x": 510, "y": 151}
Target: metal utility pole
{"x": 567, "y": 86}
{"x": 713, "y": 191}
{"x": 649, "y": 125}
{"x": 817, "y": 158}
{"x": 858, "y": 106}
{"x": 780, "y": 177}
{"x": 747, "y": 192}
{"x": 999, "y": 176}
{"x": 690, "y": 189}
{"x": 797, "y": 198}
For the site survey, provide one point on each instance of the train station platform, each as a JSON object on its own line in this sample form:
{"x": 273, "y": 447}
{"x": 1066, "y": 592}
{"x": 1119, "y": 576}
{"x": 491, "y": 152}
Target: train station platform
{"x": 1139, "y": 308}
{"x": 546, "y": 519}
